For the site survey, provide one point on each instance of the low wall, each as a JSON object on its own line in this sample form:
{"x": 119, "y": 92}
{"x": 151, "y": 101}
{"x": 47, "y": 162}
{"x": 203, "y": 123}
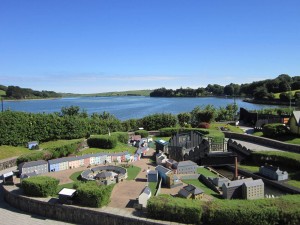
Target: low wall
{"x": 279, "y": 185}
{"x": 7, "y": 163}
{"x": 210, "y": 185}
{"x": 189, "y": 177}
{"x": 73, "y": 214}
{"x": 263, "y": 141}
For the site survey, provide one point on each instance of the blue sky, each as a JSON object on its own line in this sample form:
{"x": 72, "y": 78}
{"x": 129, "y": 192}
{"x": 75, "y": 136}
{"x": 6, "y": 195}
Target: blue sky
{"x": 94, "y": 46}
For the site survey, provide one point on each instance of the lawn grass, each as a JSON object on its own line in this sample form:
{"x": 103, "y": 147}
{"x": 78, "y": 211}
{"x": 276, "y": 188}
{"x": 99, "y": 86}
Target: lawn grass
{"x": 216, "y": 126}
{"x": 253, "y": 169}
{"x": 200, "y": 185}
{"x": 152, "y": 186}
{"x": 132, "y": 172}
{"x": 76, "y": 176}
{"x": 11, "y": 151}
{"x": 206, "y": 172}
{"x": 288, "y": 138}
{"x": 121, "y": 147}
{"x": 58, "y": 143}
{"x": 294, "y": 183}
{"x": 276, "y": 95}
{"x": 68, "y": 185}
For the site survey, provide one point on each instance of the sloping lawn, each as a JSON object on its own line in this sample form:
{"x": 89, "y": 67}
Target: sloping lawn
{"x": 58, "y": 143}
{"x": 206, "y": 172}
{"x": 200, "y": 185}
{"x": 11, "y": 151}
{"x": 253, "y": 169}
{"x": 132, "y": 172}
{"x": 75, "y": 177}
{"x": 121, "y": 147}
{"x": 152, "y": 186}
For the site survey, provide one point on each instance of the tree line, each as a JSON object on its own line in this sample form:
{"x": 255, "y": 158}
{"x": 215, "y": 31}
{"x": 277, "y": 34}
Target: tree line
{"x": 264, "y": 89}
{"x": 19, "y": 128}
{"x": 16, "y": 92}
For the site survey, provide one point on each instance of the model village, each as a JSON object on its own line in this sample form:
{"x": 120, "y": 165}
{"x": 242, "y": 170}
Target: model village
{"x": 165, "y": 166}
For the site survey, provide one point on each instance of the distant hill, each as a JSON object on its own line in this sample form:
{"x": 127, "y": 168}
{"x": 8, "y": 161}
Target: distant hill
{"x": 111, "y": 94}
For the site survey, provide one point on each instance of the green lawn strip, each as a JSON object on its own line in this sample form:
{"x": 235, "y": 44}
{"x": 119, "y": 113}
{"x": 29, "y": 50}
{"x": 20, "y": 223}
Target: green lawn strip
{"x": 152, "y": 186}
{"x": 121, "y": 147}
{"x": 231, "y": 128}
{"x": 294, "y": 183}
{"x": 206, "y": 172}
{"x": 58, "y": 143}
{"x": 132, "y": 172}
{"x": 11, "y": 151}
{"x": 285, "y": 155}
{"x": 76, "y": 176}
{"x": 253, "y": 169}
{"x": 200, "y": 185}
{"x": 61, "y": 186}
{"x": 288, "y": 138}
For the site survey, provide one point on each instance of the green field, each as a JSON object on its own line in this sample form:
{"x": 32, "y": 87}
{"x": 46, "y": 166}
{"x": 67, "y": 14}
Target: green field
{"x": 121, "y": 147}
{"x": 152, "y": 186}
{"x": 253, "y": 169}
{"x": 111, "y": 94}
{"x": 216, "y": 126}
{"x": 206, "y": 172}
{"x": 11, "y": 151}
{"x": 276, "y": 95}
{"x": 58, "y": 143}
{"x": 132, "y": 172}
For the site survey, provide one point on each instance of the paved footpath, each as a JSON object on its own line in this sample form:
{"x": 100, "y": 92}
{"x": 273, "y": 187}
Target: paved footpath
{"x": 12, "y": 216}
{"x": 255, "y": 147}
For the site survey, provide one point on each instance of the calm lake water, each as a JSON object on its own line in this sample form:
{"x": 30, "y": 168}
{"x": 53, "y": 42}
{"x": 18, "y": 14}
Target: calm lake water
{"x": 125, "y": 107}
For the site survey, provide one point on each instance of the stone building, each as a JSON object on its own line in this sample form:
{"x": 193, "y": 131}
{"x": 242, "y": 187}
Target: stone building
{"x": 273, "y": 173}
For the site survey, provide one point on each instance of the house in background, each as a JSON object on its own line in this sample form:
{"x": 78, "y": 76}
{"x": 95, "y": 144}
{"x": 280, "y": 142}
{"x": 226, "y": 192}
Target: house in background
{"x": 253, "y": 189}
{"x": 144, "y": 196}
{"x": 66, "y": 195}
{"x": 294, "y": 122}
{"x": 171, "y": 164}
{"x": 273, "y": 173}
{"x": 161, "y": 145}
{"x": 40, "y": 167}
{"x": 8, "y": 178}
{"x": 218, "y": 181}
{"x": 161, "y": 158}
{"x": 190, "y": 191}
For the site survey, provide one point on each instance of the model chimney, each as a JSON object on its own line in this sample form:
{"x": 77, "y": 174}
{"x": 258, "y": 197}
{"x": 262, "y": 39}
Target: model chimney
{"x": 236, "y": 168}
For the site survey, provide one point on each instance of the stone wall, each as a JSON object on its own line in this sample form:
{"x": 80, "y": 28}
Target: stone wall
{"x": 263, "y": 141}
{"x": 73, "y": 214}
{"x": 7, "y": 163}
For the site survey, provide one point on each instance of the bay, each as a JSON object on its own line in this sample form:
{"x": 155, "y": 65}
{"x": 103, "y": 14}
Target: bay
{"x": 128, "y": 107}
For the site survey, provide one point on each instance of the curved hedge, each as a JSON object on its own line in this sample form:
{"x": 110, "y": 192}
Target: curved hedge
{"x": 103, "y": 141}
{"x": 40, "y": 186}
{"x": 121, "y": 136}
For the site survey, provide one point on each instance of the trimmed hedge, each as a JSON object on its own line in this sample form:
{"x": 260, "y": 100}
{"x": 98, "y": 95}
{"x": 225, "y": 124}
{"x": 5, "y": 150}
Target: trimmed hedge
{"x": 274, "y": 130}
{"x": 165, "y": 207}
{"x": 286, "y": 159}
{"x": 103, "y": 141}
{"x": 282, "y": 210}
{"x": 40, "y": 186}
{"x": 122, "y": 137}
{"x": 93, "y": 195}
{"x": 143, "y": 133}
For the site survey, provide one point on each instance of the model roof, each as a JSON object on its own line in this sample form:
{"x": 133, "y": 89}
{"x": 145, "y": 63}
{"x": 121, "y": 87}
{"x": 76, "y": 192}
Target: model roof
{"x": 162, "y": 169}
{"x": 184, "y": 193}
{"x": 186, "y": 163}
{"x": 252, "y": 183}
{"x": 33, "y": 163}
{"x": 270, "y": 167}
{"x": 193, "y": 189}
{"x": 146, "y": 191}
{"x": 236, "y": 183}
{"x": 296, "y": 114}
{"x": 152, "y": 172}
{"x": 67, "y": 192}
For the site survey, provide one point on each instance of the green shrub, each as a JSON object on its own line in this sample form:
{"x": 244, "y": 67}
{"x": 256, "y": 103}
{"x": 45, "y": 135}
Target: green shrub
{"x": 93, "y": 195}
{"x": 34, "y": 156}
{"x": 121, "y": 136}
{"x": 65, "y": 150}
{"x": 175, "y": 209}
{"x": 40, "y": 186}
{"x": 274, "y": 129}
{"x": 143, "y": 133}
{"x": 103, "y": 141}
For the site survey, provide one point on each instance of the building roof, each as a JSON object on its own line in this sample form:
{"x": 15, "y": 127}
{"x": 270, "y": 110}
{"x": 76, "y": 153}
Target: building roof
{"x": 8, "y": 174}
{"x": 270, "y": 167}
{"x": 252, "y": 183}
{"x": 26, "y": 175}
{"x": 162, "y": 142}
{"x": 146, "y": 191}
{"x": 193, "y": 189}
{"x": 296, "y": 115}
{"x": 236, "y": 183}
{"x": 162, "y": 169}
{"x": 136, "y": 137}
{"x": 67, "y": 192}
{"x": 105, "y": 174}
{"x": 184, "y": 193}
{"x": 33, "y": 143}
{"x": 33, "y": 163}
{"x": 186, "y": 163}
{"x": 152, "y": 172}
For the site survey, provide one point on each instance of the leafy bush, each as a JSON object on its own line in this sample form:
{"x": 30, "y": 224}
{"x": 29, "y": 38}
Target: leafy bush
{"x": 64, "y": 150}
{"x": 143, "y": 133}
{"x": 34, "y": 156}
{"x": 175, "y": 209}
{"x": 121, "y": 136}
{"x": 158, "y": 120}
{"x": 93, "y": 195}
{"x": 103, "y": 141}
{"x": 40, "y": 186}
{"x": 274, "y": 129}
